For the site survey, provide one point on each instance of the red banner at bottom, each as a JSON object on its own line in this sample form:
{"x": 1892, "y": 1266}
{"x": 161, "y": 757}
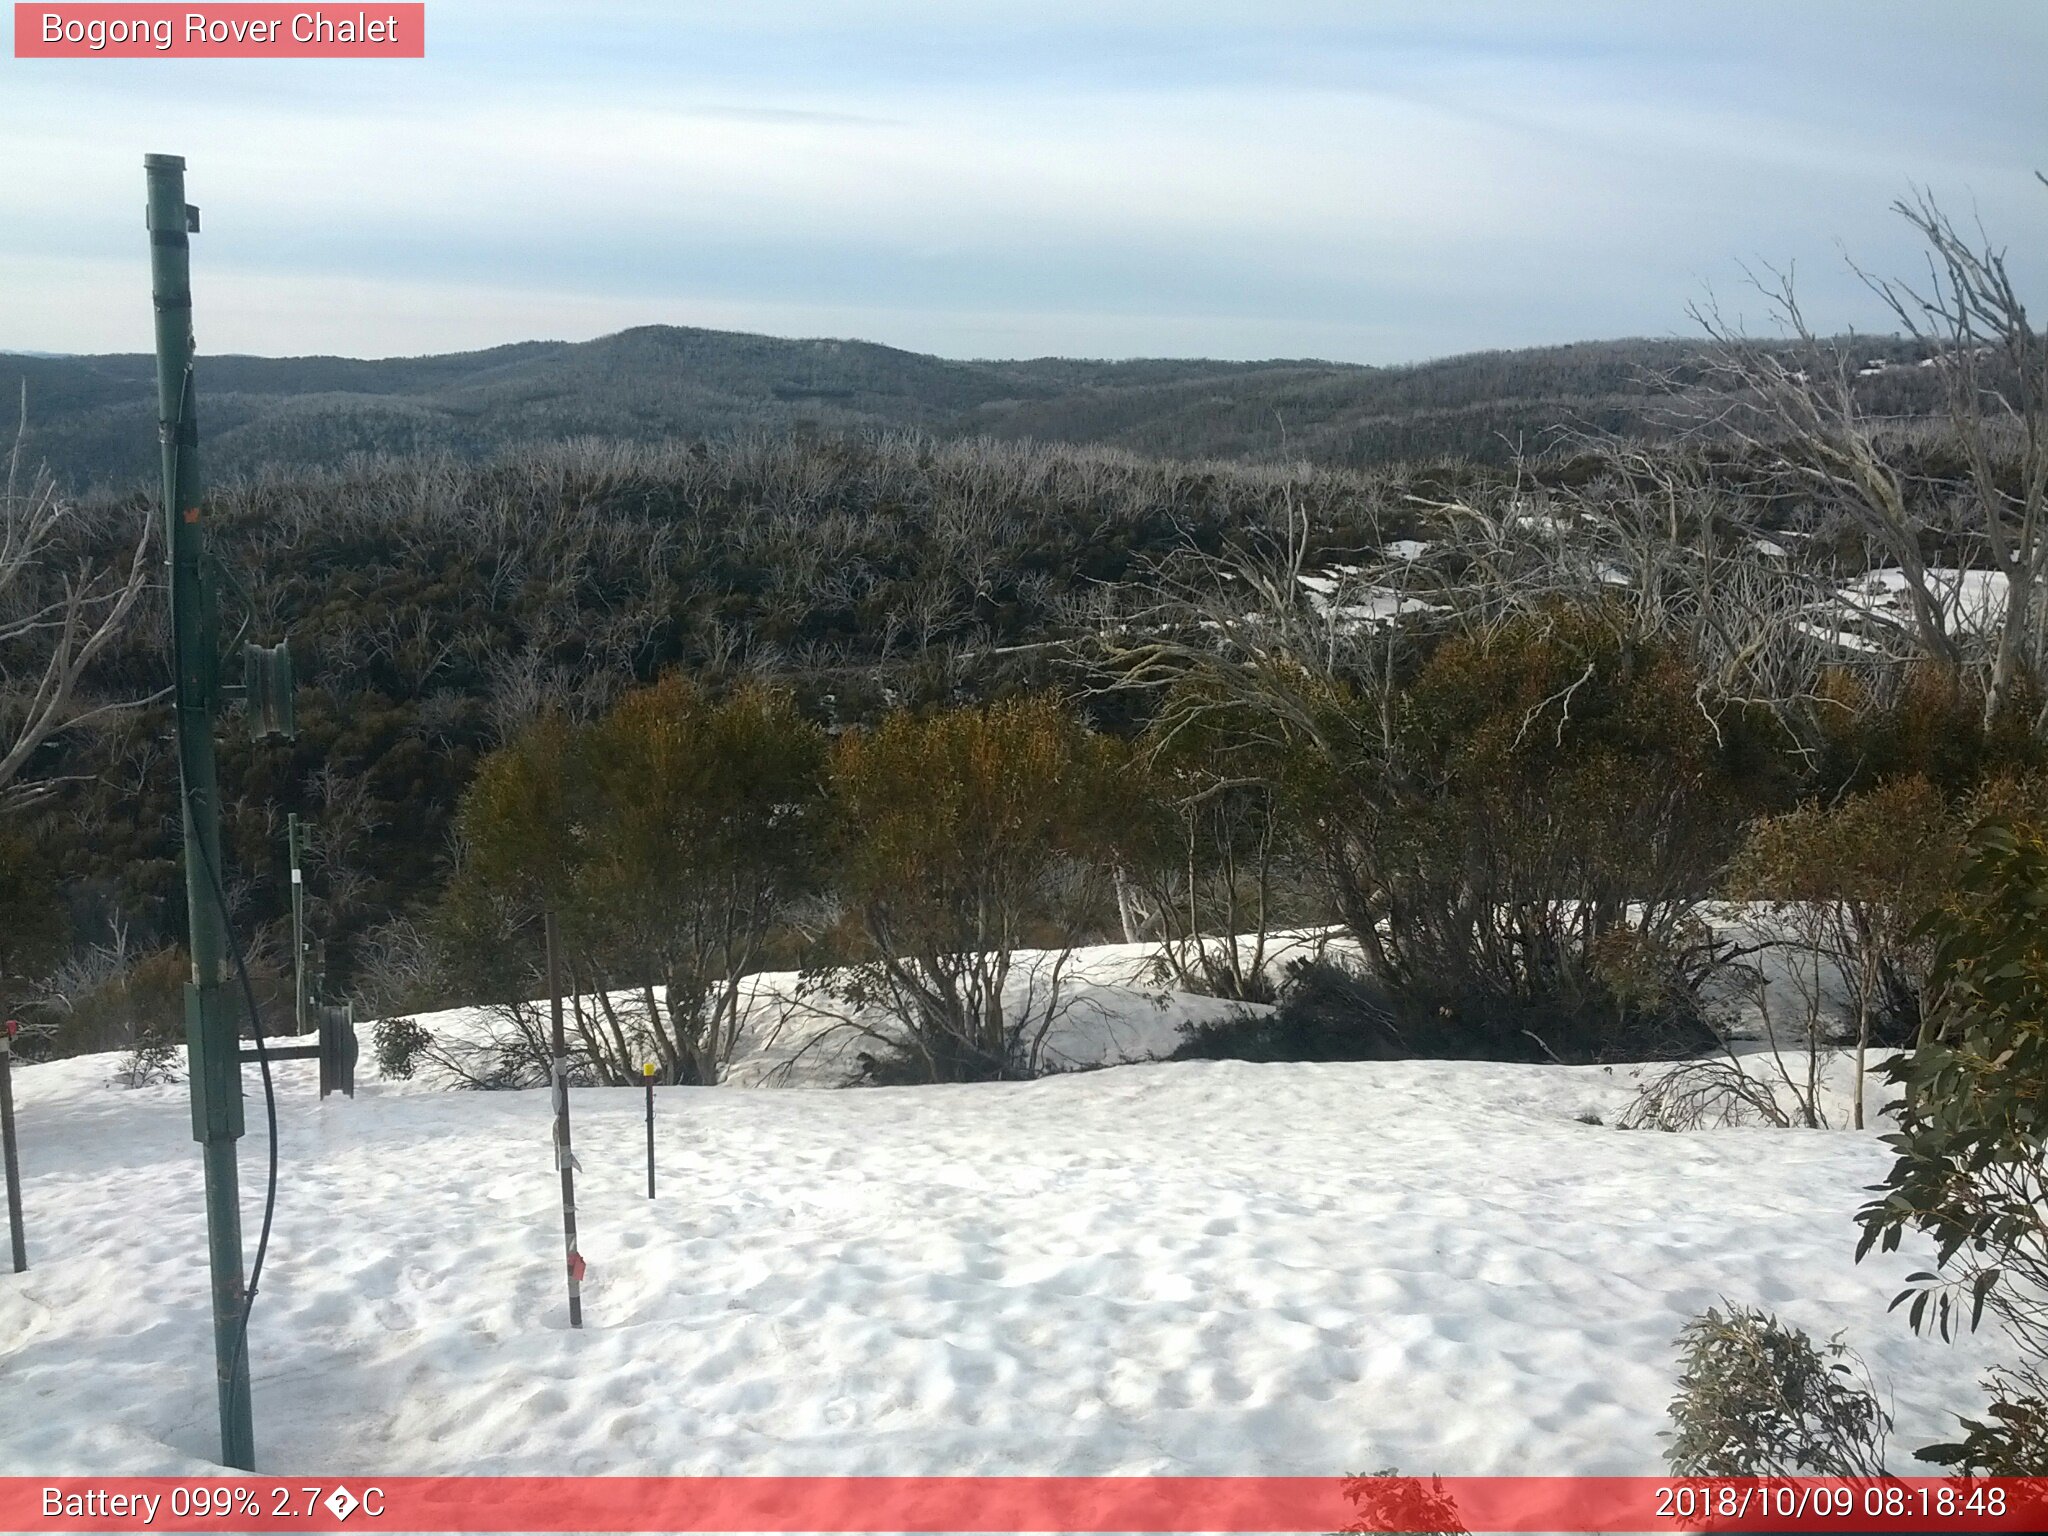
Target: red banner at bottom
{"x": 996, "y": 1504}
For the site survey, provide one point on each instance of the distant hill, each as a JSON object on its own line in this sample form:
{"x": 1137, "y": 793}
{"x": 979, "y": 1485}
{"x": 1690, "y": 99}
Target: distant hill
{"x": 92, "y": 419}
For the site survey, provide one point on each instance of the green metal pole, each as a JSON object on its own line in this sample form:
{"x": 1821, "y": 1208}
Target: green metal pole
{"x": 17, "y": 1240}
{"x": 211, "y": 1037}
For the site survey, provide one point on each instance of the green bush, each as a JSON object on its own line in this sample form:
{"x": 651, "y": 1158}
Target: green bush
{"x": 1973, "y": 1134}
{"x": 1387, "y": 1501}
{"x": 670, "y": 838}
{"x": 963, "y": 837}
{"x": 1326, "y": 1012}
{"x": 1756, "y": 1399}
{"x": 1852, "y": 880}
{"x": 400, "y": 1043}
{"x": 1525, "y": 835}
{"x": 1920, "y": 721}
{"x": 124, "y": 1003}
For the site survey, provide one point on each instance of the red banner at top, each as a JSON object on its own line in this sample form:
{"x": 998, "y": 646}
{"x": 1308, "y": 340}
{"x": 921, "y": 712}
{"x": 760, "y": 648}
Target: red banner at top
{"x": 241, "y": 31}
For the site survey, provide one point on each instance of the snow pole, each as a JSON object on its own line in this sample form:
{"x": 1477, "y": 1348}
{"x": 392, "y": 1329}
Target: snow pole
{"x": 301, "y": 993}
{"x": 565, "y": 1158}
{"x": 16, "y": 1238}
{"x": 647, "y": 1075}
{"x": 214, "y": 1047}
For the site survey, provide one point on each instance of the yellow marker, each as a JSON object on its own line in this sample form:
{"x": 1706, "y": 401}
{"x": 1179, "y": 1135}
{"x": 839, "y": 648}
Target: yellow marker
{"x": 648, "y": 1070}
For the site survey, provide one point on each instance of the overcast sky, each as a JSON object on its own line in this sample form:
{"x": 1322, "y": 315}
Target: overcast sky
{"x": 1372, "y": 182}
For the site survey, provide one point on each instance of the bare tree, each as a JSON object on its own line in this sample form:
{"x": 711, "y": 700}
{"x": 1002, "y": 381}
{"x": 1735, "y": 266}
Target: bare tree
{"x": 1801, "y": 413}
{"x": 59, "y": 611}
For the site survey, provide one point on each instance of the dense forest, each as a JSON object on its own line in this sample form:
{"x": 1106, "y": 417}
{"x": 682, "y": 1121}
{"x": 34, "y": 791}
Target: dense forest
{"x": 91, "y": 419}
{"x": 434, "y": 606}
{"x": 437, "y": 607}
{"x": 464, "y": 549}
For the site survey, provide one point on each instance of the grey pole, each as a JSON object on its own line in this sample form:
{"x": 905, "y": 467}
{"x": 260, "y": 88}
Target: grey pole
{"x": 565, "y": 1158}
{"x": 17, "y": 1239}
{"x": 298, "y": 925}
{"x": 647, "y": 1076}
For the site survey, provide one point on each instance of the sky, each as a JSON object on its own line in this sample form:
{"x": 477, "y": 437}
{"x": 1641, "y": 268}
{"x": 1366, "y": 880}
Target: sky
{"x": 1364, "y": 182}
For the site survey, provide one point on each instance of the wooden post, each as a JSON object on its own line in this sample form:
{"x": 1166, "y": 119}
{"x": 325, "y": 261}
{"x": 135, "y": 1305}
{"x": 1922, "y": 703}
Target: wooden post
{"x": 565, "y": 1158}
{"x": 647, "y": 1073}
{"x": 16, "y": 1238}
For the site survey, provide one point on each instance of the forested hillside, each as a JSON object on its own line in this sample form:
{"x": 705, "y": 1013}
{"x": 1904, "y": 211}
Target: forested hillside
{"x": 463, "y": 550}
{"x": 92, "y": 418}
{"x": 435, "y": 606}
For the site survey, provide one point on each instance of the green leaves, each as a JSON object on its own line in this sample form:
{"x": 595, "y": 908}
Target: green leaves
{"x": 1973, "y": 1124}
{"x": 1974, "y": 1110}
{"x": 1756, "y": 1398}
{"x": 669, "y": 837}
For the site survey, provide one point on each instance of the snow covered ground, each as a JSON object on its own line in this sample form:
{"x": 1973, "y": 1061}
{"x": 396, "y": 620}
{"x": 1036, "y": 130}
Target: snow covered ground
{"x": 1156, "y": 1268}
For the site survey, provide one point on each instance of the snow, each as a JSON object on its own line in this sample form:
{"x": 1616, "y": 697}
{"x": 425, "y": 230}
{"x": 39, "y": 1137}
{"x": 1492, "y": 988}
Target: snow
{"x": 1845, "y": 639}
{"x": 1112, "y": 1008}
{"x": 1199, "y": 1267}
{"x": 1974, "y": 599}
{"x": 1353, "y": 604}
{"x": 1865, "y": 609}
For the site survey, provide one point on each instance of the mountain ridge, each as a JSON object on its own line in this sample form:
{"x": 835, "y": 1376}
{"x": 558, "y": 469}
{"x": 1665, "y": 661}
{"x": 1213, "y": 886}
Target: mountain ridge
{"x": 91, "y": 417}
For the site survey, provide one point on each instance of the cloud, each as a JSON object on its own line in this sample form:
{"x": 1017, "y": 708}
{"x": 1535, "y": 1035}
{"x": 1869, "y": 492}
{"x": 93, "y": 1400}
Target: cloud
{"x": 1374, "y": 183}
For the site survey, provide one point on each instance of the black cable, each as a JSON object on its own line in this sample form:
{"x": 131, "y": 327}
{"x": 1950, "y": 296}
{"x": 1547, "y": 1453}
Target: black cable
{"x": 220, "y": 898}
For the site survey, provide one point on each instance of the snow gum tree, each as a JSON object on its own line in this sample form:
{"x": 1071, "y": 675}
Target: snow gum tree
{"x": 1802, "y": 413}
{"x": 62, "y": 606}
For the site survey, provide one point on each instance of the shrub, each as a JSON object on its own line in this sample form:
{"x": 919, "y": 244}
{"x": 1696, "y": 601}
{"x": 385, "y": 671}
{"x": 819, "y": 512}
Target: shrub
{"x": 1848, "y": 884}
{"x": 1696, "y": 1095}
{"x": 1973, "y": 1123}
{"x": 961, "y": 838}
{"x": 153, "y": 1060}
{"x": 1387, "y": 1501}
{"x": 1327, "y": 1012}
{"x": 706, "y": 828}
{"x": 1923, "y": 722}
{"x": 400, "y": 1043}
{"x": 670, "y": 838}
{"x": 1528, "y": 832}
{"x": 1756, "y": 1399}
{"x": 2011, "y": 1440}
{"x": 112, "y": 998}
